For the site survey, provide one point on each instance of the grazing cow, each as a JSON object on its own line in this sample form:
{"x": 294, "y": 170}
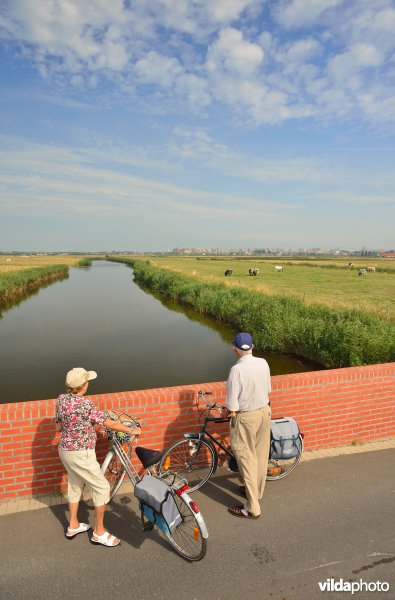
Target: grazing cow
{"x": 362, "y": 272}
{"x": 8, "y": 260}
{"x": 278, "y": 269}
{"x": 371, "y": 269}
{"x": 228, "y": 272}
{"x": 253, "y": 271}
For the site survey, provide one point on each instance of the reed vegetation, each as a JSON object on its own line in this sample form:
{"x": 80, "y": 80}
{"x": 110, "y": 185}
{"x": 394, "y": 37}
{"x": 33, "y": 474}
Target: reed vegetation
{"x": 17, "y": 283}
{"x": 85, "y": 262}
{"x": 280, "y": 323}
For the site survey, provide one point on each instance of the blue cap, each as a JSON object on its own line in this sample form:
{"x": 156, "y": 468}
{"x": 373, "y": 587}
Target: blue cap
{"x": 243, "y": 341}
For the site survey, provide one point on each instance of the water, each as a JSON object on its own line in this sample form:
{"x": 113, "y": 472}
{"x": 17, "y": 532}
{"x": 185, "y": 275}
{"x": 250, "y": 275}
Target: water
{"x": 101, "y": 320}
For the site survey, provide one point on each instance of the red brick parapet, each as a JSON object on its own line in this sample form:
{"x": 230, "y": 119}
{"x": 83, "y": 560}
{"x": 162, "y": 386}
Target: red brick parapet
{"x": 333, "y": 408}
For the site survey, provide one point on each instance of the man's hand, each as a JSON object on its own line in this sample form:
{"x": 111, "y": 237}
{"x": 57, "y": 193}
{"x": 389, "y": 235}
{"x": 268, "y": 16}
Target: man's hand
{"x": 231, "y": 413}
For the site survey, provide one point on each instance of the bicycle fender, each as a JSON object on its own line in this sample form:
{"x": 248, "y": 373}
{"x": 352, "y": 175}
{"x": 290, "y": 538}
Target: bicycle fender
{"x": 198, "y": 517}
{"x": 191, "y": 436}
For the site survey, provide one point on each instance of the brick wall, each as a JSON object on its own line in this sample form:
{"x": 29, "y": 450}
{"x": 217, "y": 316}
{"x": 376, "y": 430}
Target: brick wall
{"x": 333, "y": 408}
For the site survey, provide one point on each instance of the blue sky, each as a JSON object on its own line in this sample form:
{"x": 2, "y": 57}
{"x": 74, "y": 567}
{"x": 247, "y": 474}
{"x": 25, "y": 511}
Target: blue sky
{"x": 218, "y": 123}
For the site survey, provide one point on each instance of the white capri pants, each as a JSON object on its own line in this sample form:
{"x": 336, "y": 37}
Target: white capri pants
{"x": 83, "y": 469}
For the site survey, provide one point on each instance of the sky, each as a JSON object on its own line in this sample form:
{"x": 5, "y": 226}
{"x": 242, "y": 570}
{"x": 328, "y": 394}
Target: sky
{"x": 135, "y": 125}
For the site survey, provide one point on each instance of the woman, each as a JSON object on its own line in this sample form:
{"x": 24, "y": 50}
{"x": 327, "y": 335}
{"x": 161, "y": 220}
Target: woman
{"x": 76, "y": 418}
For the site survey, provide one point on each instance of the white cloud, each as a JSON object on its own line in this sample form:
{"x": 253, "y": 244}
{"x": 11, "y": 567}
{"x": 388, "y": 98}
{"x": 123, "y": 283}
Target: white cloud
{"x": 38, "y": 177}
{"x": 299, "y": 13}
{"x": 198, "y": 148}
{"x": 192, "y": 52}
{"x": 231, "y": 54}
{"x": 104, "y": 182}
{"x": 346, "y": 68}
{"x": 233, "y": 67}
{"x": 158, "y": 69}
{"x": 302, "y": 50}
{"x": 225, "y": 11}
{"x": 378, "y": 109}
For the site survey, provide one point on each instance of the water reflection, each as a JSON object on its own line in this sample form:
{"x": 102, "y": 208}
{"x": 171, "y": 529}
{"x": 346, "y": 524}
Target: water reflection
{"x": 279, "y": 363}
{"x": 100, "y": 319}
{"x": 4, "y": 306}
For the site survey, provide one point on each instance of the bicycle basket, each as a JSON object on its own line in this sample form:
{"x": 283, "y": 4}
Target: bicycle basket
{"x": 125, "y": 419}
{"x": 157, "y": 504}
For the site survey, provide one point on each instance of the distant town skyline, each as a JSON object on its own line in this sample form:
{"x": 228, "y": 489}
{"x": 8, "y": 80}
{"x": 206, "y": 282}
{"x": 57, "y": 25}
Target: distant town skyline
{"x": 253, "y": 252}
{"x": 197, "y": 124}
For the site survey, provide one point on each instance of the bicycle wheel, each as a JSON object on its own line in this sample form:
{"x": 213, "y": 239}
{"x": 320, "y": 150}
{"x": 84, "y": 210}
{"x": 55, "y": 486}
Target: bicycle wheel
{"x": 114, "y": 471}
{"x": 192, "y": 459}
{"x": 278, "y": 469}
{"x": 190, "y": 537}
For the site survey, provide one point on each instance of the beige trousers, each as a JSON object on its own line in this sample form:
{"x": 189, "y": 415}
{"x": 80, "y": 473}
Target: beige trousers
{"x": 83, "y": 469}
{"x": 250, "y": 442}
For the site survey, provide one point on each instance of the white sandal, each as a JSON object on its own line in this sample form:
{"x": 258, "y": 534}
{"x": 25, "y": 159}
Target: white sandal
{"x": 105, "y": 540}
{"x": 70, "y": 533}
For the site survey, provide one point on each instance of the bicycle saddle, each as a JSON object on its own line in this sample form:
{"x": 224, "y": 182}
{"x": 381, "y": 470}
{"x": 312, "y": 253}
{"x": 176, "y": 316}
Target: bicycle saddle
{"x": 148, "y": 457}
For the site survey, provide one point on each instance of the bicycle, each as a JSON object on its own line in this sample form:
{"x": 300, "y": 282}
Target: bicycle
{"x": 195, "y": 458}
{"x": 189, "y": 538}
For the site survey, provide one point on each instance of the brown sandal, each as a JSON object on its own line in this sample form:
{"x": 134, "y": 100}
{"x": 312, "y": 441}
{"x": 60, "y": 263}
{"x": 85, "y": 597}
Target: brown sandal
{"x": 237, "y": 511}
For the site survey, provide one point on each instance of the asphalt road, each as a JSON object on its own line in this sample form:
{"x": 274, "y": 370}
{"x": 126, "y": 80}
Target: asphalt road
{"x": 332, "y": 518}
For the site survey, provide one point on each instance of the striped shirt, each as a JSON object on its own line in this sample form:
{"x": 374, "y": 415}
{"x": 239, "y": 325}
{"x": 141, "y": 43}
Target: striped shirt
{"x": 248, "y": 384}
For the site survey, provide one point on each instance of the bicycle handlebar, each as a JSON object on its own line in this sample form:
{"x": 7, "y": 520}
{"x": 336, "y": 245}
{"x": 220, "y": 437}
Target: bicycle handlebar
{"x": 215, "y": 405}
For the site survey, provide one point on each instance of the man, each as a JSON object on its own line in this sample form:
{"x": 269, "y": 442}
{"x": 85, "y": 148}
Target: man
{"x": 247, "y": 401}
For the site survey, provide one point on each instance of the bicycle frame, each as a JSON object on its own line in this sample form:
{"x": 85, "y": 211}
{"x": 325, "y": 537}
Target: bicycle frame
{"x": 203, "y": 433}
{"x": 116, "y": 448}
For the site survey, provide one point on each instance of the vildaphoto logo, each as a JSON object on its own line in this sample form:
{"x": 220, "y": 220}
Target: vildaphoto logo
{"x": 331, "y": 585}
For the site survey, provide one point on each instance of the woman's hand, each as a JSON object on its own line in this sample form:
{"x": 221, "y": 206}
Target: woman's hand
{"x": 118, "y": 426}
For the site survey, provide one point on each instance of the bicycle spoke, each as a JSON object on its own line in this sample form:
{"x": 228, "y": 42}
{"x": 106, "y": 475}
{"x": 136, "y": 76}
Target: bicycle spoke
{"x": 187, "y": 538}
{"x": 193, "y": 460}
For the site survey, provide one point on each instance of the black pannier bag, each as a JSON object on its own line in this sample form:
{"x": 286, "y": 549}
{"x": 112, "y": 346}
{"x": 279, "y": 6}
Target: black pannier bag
{"x": 157, "y": 504}
{"x": 285, "y": 442}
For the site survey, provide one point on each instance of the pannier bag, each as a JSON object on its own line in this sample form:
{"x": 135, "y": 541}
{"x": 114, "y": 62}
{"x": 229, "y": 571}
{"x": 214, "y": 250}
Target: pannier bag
{"x": 157, "y": 504}
{"x": 284, "y": 439}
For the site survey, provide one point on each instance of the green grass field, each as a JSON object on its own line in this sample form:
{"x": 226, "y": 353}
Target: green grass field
{"x": 329, "y": 282}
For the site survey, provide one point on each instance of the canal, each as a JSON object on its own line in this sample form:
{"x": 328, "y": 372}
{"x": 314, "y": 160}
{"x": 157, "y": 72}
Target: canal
{"x": 99, "y": 319}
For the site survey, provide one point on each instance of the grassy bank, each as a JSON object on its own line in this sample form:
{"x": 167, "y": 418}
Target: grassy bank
{"x": 19, "y": 282}
{"x": 281, "y": 323}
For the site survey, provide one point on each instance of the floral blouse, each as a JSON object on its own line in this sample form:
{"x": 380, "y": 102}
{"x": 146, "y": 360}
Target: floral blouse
{"x": 78, "y": 417}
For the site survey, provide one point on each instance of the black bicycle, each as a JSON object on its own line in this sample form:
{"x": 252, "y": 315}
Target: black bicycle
{"x": 195, "y": 457}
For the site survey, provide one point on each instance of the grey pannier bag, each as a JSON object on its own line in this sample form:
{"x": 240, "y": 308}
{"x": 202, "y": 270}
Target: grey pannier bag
{"x": 157, "y": 504}
{"x": 284, "y": 439}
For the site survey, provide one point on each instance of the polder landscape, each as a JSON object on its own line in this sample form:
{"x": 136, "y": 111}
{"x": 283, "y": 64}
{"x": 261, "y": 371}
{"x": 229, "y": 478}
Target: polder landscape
{"x": 320, "y": 309}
